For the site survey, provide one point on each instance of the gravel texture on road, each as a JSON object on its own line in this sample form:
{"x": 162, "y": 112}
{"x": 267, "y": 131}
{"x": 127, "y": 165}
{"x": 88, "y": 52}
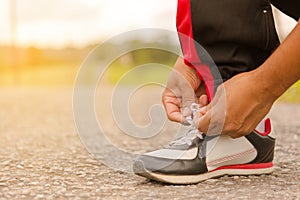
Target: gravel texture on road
{"x": 42, "y": 157}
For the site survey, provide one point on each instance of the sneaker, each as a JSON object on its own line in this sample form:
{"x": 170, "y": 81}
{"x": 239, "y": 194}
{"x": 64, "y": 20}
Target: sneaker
{"x": 192, "y": 158}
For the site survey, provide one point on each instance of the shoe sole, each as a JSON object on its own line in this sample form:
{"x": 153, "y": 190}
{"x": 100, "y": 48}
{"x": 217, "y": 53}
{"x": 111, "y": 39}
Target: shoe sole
{"x": 247, "y": 169}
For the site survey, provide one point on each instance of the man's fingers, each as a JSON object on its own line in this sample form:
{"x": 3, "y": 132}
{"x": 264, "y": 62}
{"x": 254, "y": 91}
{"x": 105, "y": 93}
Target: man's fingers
{"x": 174, "y": 113}
{"x": 203, "y": 121}
{"x": 177, "y": 117}
{"x": 211, "y": 119}
{"x": 203, "y": 100}
{"x": 172, "y": 106}
{"x": 188, "y": 97}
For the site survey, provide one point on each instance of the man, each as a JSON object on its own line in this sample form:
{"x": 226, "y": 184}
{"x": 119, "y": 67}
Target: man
{"x": 240, "y": 37}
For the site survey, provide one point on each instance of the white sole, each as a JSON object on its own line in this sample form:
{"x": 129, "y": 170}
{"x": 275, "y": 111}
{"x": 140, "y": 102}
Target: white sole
{"x": 192, "y": 179}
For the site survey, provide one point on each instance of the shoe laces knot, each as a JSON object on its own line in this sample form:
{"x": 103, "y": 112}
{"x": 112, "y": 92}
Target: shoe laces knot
{"x": 193, "y": 131}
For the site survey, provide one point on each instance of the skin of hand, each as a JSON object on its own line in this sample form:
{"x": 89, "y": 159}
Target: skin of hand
{"x": 245, "y": 99}
{"x": 183, "y": 88}
{"x": 241, "y": 102}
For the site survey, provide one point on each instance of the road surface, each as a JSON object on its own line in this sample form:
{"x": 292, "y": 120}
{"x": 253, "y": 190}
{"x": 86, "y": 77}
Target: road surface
{"x": 42, "y": 157}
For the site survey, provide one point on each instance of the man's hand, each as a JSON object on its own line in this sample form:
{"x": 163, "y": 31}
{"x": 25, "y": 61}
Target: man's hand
{"x": 182, "y": 89}
{"x": 243, "y": 101}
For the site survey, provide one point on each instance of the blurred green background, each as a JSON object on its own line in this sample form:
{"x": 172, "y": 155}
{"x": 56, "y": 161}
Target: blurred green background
{"x": 43, "y": 43}
{"x": 36, "y": 67}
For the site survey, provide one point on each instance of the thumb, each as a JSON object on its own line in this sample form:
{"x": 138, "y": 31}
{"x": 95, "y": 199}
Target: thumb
{"x": 203, "y": 121}
{"x": 188, "y": 97}
{"x": 203, "y": 100}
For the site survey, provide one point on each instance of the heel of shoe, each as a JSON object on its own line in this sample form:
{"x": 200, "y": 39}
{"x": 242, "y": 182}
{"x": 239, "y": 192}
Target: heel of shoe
{"x": 264, "y": 145}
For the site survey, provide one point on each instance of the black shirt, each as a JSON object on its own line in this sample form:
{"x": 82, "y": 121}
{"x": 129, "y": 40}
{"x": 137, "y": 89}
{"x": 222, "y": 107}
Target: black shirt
{"x": 238, "y": 35}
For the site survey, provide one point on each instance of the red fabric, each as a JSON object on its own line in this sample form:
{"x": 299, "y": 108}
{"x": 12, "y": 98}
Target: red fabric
{"x": 247, "y": 166}
{"x": 191, "y": 58}
{"x": 267, "y": 128}
{"x": 184, "y": 27}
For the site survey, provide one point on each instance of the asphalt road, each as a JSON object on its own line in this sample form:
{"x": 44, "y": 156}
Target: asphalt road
{"x": 42, "y": 157}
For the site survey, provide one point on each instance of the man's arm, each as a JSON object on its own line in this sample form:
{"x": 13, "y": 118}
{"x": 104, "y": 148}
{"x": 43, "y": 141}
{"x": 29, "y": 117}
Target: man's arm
{"x": 249, "y": 96}
{"x": 282, "y": 69}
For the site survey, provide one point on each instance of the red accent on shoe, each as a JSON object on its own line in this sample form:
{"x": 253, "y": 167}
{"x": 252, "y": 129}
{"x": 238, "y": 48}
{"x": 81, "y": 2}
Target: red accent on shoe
{"x": 267, "y": 128}
{"x": 247, "y": 166}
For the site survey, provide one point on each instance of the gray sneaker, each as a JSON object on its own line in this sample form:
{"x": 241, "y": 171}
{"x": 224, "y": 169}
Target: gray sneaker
{"x": 193, "y": 158}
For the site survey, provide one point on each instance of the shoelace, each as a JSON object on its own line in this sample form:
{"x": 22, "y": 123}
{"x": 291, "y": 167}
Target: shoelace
{"x": 193, "y": 131}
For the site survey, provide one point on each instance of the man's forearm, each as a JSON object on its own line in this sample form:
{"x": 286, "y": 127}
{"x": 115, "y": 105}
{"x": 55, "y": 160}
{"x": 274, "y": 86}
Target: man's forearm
{"x": 282, "y": 69}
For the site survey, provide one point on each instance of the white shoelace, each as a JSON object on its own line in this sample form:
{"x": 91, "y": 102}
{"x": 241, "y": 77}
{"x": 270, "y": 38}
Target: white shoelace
{"x": 193, "y": 132}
